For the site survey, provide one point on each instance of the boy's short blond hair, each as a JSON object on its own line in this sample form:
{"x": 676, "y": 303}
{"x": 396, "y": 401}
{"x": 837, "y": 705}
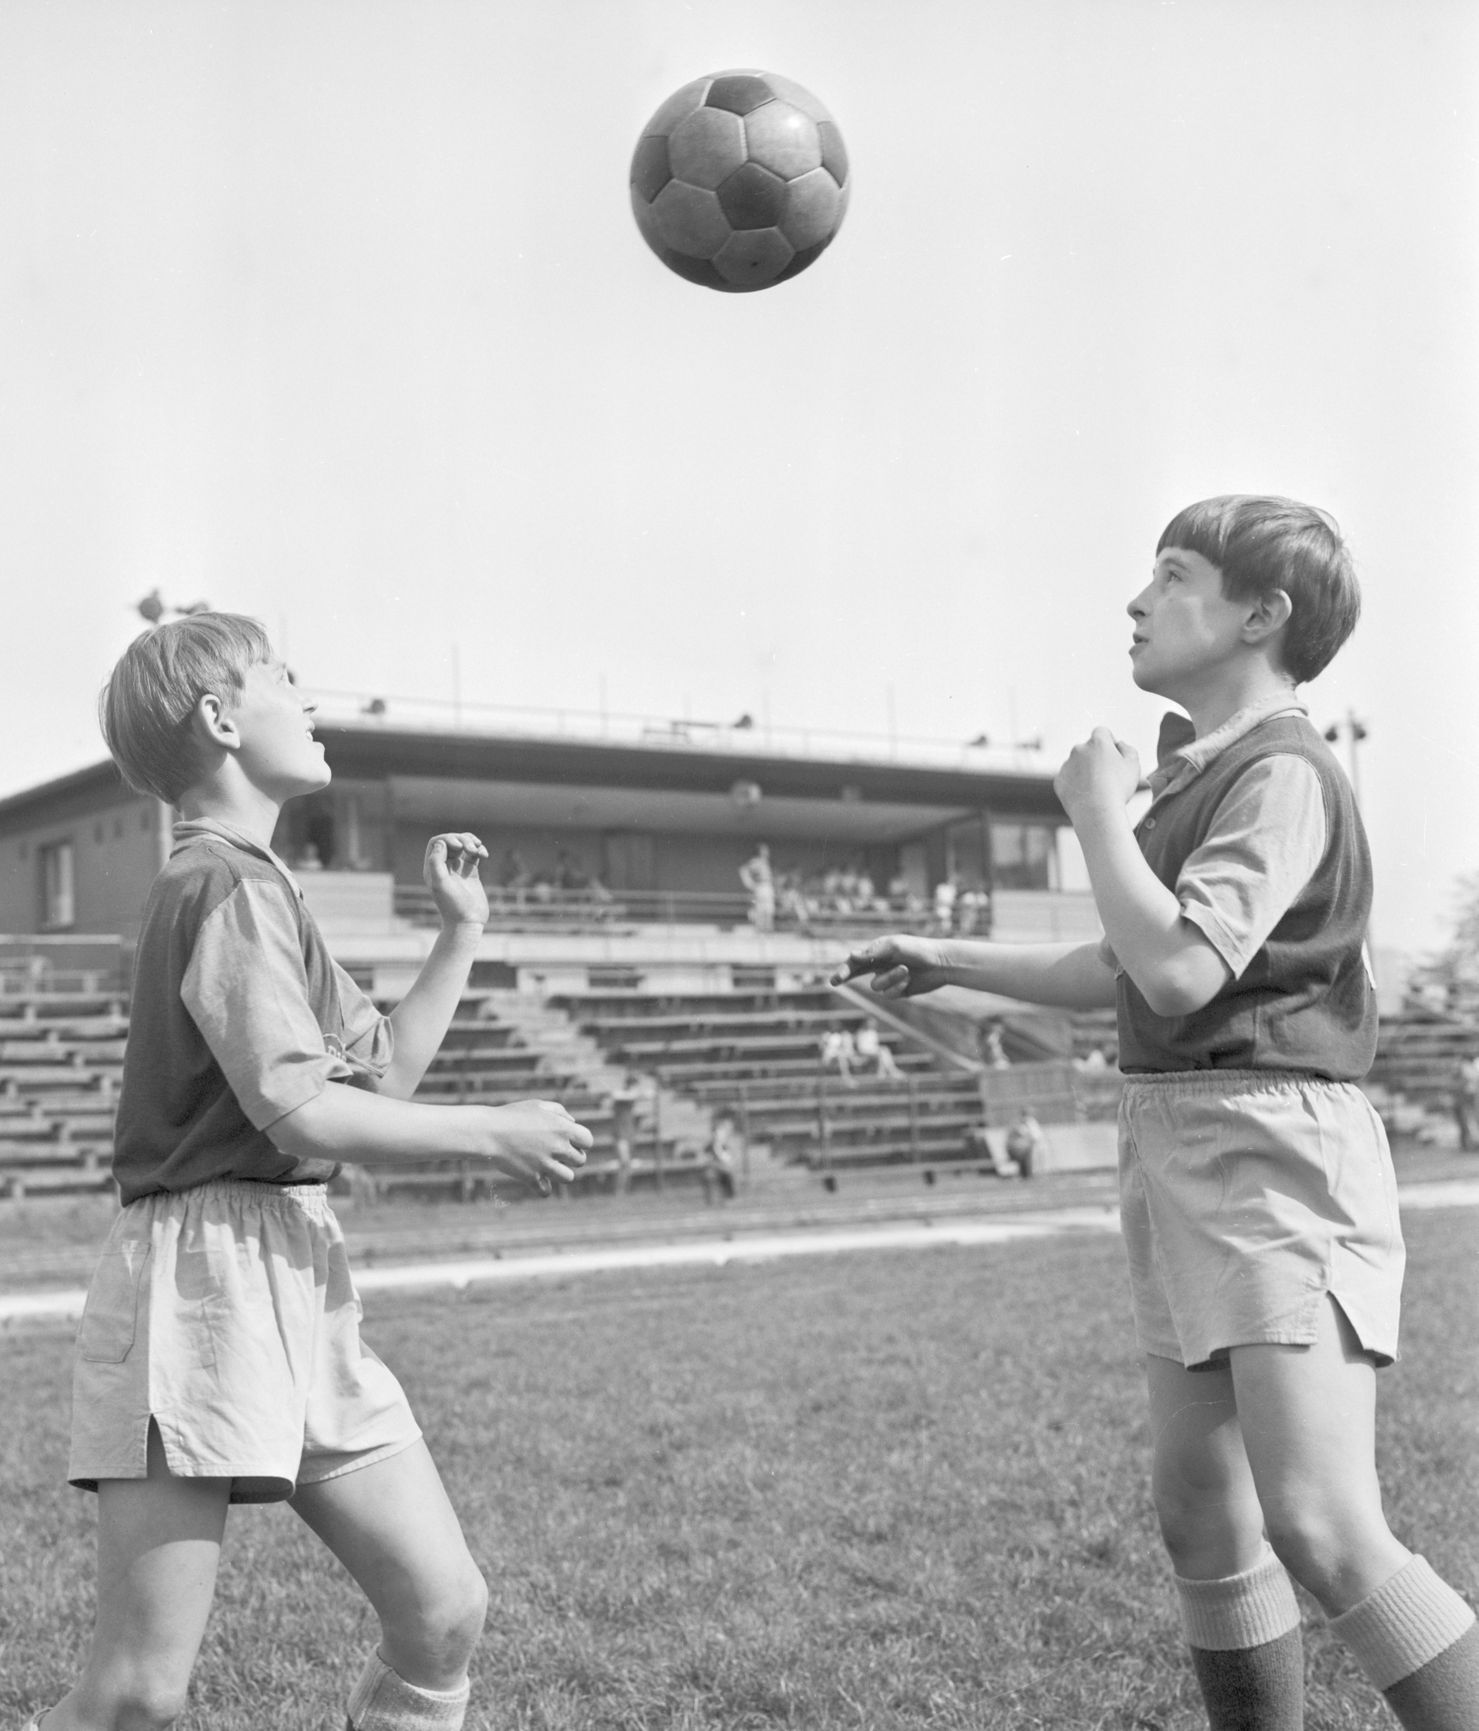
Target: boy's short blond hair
{"x": 145, "y": 709}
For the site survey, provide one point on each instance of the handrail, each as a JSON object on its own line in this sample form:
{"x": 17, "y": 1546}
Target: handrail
{"x": 879, "y": 1011}
{"x": 651, "y": 907}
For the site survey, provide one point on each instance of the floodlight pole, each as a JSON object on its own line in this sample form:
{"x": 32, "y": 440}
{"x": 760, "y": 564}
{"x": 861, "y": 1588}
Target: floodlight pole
{"x": 1354, "y": 729}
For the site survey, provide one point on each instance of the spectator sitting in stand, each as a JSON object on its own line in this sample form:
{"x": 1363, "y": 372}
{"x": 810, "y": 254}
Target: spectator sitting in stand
{"x": 993, "y": 1053}
{"x": 1026, "y": 1143}
{"x": 838, "y": 1052}
{"x": 791, "y": 895}
{"x": 872, "y": 1053}
{"x": 718, "y": 1172}
{"x": 513, "y": 876}
{"x": 945, "y": 895}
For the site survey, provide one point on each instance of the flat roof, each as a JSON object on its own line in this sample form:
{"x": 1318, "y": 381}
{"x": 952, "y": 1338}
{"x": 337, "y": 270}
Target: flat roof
{"x": 697, "y": 767}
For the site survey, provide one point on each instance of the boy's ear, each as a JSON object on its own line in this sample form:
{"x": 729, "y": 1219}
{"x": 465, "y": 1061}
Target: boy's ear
{"x": 215, "y": 723}
{"x": 1267, "y": 615}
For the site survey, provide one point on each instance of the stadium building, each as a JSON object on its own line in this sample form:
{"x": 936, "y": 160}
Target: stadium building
{"x": 626, "y": 833}
{"x": 628, "y": 953}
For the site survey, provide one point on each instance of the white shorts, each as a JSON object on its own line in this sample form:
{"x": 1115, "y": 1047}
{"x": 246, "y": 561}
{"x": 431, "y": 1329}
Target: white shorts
{"x": 226, "y": 1314}
{"x": 1246, "y": 1197}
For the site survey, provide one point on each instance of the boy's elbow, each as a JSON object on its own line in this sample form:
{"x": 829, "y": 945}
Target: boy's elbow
{"x": 303, "y": 1133}
{"x": 1187, "y": 984}
{"x": 1174, "y": 999}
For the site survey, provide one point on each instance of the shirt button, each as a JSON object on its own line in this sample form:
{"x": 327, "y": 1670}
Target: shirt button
{"x": 1150, "y": 823}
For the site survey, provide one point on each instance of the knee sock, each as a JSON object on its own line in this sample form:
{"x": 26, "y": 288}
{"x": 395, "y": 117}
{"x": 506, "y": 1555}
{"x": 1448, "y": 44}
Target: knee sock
{"x": 1246, "y": 1647}
{"x": 1418, "y": 1642}
{"x": 382, "y": 1700}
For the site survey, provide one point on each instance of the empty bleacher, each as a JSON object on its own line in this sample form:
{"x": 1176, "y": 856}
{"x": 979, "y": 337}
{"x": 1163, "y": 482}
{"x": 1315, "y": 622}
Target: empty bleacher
{"x": 1417, "y": 1061}
{"x": 61, "y": 1057}
{"x": 486, "y": 1059}
{"x": 755, "y": 1054}
{"x": 751, "y": 1051}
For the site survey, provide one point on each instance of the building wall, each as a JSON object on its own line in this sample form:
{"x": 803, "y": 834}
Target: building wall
{"x": 117, "y": 842}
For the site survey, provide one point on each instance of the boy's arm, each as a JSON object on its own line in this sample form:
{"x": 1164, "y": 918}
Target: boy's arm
{"x": 421, "y": 1019}
{"x": 1065, "y": 976}
{"x": 1174, "y": 966}
{"x": 532, "y": 1140}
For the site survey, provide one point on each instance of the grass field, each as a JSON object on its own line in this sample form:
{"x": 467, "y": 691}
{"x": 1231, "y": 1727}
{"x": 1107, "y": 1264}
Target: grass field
{"x": 871, "y": 1491}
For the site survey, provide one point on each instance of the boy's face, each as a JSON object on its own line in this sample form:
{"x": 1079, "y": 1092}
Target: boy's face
{"x": 275, "y": 724}
{"x": 1186, "y": 630}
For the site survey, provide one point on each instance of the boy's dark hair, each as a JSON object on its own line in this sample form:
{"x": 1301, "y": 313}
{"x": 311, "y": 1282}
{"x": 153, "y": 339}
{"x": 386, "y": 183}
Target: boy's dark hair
{"x": 145, "y": 709}
{"x": 1263, "y": 544}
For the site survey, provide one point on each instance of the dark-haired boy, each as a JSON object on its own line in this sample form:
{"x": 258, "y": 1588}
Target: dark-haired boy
{"x": 219, "y": 1358}
{"x": 1257, "y": 1193}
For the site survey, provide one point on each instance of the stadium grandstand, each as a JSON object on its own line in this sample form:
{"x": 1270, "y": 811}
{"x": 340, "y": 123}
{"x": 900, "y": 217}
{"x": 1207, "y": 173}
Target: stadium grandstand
{"x": 636, "y": 964}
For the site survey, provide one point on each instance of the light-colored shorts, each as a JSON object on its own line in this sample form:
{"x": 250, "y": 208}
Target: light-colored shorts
{"x": 1246, "y": 1196}
{"x": 227, "y": 1314}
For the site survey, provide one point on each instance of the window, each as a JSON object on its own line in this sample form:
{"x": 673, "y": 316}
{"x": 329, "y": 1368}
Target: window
{"x": 1023, "y": 856}
{"x": 58, "y": 902}
{"x": 613, "y": 978}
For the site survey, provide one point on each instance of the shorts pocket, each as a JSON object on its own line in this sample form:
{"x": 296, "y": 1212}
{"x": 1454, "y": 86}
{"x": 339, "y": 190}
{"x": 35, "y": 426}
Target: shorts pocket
{"x": 111, "y": 1315}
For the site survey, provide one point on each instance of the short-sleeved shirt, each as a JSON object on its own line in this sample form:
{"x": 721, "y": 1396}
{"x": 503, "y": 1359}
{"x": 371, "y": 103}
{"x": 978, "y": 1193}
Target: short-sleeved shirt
{"x": 1262, "y": 845}
{"x": 239, "y": 1016}
{"x": 1255, "y": 830}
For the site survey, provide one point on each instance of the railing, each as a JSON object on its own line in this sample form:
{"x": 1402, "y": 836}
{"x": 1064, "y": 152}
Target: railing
{"x": 1047, "y": 916}
{"x": 1054, "y": 1092}
{"x": 32, "y": 964}
{"x": 585, "y": 910}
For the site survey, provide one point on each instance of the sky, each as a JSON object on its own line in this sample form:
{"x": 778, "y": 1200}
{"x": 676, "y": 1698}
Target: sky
{"x": 334, "y": 312}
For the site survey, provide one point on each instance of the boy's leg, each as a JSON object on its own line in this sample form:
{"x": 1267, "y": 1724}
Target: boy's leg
{"x": 159, "y": 1545}
{"x": 1308, "y": 1416}
{"x": 1237, "y": 1607}
{"x": 393, "y": 1528}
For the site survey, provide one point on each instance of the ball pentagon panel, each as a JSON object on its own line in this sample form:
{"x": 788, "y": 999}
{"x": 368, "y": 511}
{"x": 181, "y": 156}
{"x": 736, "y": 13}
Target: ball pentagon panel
{"x": 706, "y": 147}
{"x": 754, "y": 258}
{"x": 739, "y": 92}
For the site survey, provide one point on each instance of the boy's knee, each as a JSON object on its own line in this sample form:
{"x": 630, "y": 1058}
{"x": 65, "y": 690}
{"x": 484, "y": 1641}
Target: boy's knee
{"x": 1313, "y": 1544}
{"x": 1205, "y": 1535}
{"x": 149, "y": 1705}
{"x": 446, "y": 1625}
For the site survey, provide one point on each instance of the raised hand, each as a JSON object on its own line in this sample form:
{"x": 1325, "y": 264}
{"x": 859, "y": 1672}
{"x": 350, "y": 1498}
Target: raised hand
{"x": 1102, "y": 771}
{"x": 450, "y": 872}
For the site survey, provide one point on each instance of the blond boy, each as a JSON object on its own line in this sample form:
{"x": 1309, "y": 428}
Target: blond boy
{"x": 219, "y": 1358}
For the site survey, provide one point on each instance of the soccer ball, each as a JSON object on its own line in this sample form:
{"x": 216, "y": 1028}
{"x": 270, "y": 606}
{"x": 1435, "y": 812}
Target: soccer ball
{"x": 739, "y": 180}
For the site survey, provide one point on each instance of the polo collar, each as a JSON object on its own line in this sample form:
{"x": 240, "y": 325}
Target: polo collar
{"x": 1181, "y": 755}
{"x": 188, "y": 830}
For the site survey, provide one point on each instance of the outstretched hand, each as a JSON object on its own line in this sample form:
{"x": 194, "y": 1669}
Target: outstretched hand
{"x": 450, "y": 872}
{"x": 901, "y": 967}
